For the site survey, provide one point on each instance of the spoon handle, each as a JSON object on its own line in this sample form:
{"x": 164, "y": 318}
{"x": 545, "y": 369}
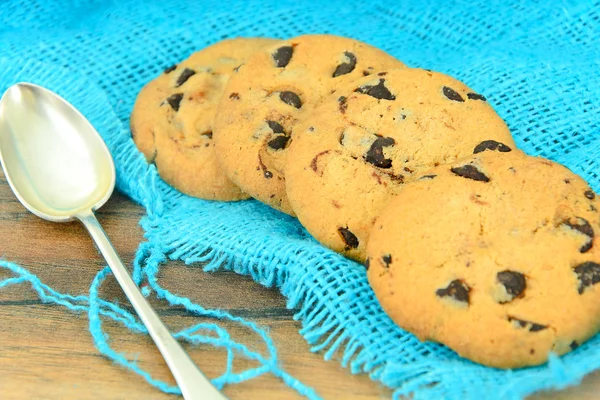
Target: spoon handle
{"x": 192, "y": 382}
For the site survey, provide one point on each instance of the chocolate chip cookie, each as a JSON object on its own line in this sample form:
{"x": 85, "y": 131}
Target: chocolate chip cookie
{"x": 374, "y": 134}
{"x": 172, "y": 120}
{"x": 495, "y": 256}
{"x": 269, "y": 94}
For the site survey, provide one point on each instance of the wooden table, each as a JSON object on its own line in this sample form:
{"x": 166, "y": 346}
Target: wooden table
{"x": 46, "y": 352}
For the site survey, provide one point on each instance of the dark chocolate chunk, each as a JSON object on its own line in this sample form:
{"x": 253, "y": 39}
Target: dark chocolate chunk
{"x": 470, "y": 172}
{"x": 476, "y": 96}
{"x": 349, "y": 238}
{"x": 375, "y": 154}
{"x": 583, "y": 226}
{"x": 280, "y": 142}
{"x": 170, "y": 69}
{"x": 513, "y": 282}
{"x": 452, "y": 94}
{"x": 347, "y": 67}
{"x": 343, "y": 104}
{"x": 208, "y": 134}
{"x": 590, "y": 194}
{"x": 174, "y": 100}
{"x": 367, "y": 263}
{"x": 532, "y": 326}
{"x": 536, "y": 327}
{"x": 588, "y": 274}
{"x": 268, "y": 174}
{"x": 282, "y": 56}
{"x": 275, "y": 127}
{"x": 366, "y": 73}
{"x": 185, "y": 75}
{"x": 427, "y": 177}
{"x": 574, "y": 345}
{"x": 457, "y": 289}
{"x": 491, "y": 145}
{"x": 234, "y": 96}
{"x": 387, "y": 260}
{"x": 378, "y": 91}
{"x": 290, "y": 98}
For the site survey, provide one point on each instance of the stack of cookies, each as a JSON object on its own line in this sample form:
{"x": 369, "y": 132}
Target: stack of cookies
{"x": 467, "y": 240}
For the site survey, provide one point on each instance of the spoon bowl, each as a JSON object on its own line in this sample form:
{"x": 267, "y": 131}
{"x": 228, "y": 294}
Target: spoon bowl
{"x": 60, "y": 169}
{"x": 58, "y": 175}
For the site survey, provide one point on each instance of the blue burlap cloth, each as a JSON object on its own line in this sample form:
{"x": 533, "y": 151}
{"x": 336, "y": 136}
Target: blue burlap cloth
{"x": 538, "y": 64}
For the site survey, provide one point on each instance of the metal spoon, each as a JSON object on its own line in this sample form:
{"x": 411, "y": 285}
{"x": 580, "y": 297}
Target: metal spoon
{"x": 60, "y": 169}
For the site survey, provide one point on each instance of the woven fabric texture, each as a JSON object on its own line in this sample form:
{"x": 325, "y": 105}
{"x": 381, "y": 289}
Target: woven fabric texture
{"x": 536, "y": 62}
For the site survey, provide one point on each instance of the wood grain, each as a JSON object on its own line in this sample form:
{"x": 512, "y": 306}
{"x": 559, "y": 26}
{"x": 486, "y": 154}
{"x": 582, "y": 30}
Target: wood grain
{"x": 46, "y": 351}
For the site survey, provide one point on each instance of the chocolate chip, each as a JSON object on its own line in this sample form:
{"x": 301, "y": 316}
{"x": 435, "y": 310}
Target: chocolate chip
{"x": 457, "y": 289}
{"x": 476, "y": 96}
{"x": 395, "y": 178}
{"x": 470, "y": 172}
{"x": 567, "y": 181}
{"x": 282, "y": 56}
{"x": 532, "y": 326}
{"x": 208, "y": 134}
{"x": 268, "y": 174}
{"x": 387, "y": 260}
{"x": 588, "y": 274}
{"x": 343, "y": 104}
{"x": 491, "y": 145}
{"x": 347, "y": 67}
{"x": 275, "y": 127}
{"x": 290, "y": 98}
{"x": 234, "y": 96}
{"x": 536, "y": 327}
{"x": 589, "y": 194}
{"x": 513, "y": 282}
{"x": 375, "y": 154}
{"x": 174, "y": 100}
{"x": 574, "y": 345}
{"x": 367, "y": 263}
{"x": 280, "y": 142}
{"x": 378, "y": 91}
{"x": 366, "y": 73}
{"x": 583, "y": 226}
{"x": 349, "y": 238}
{"x": 185, "y": 75}
{"x": 170, "y": 69}
{"x": 452, "y": 94}
{"x": 427, "y": 177}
